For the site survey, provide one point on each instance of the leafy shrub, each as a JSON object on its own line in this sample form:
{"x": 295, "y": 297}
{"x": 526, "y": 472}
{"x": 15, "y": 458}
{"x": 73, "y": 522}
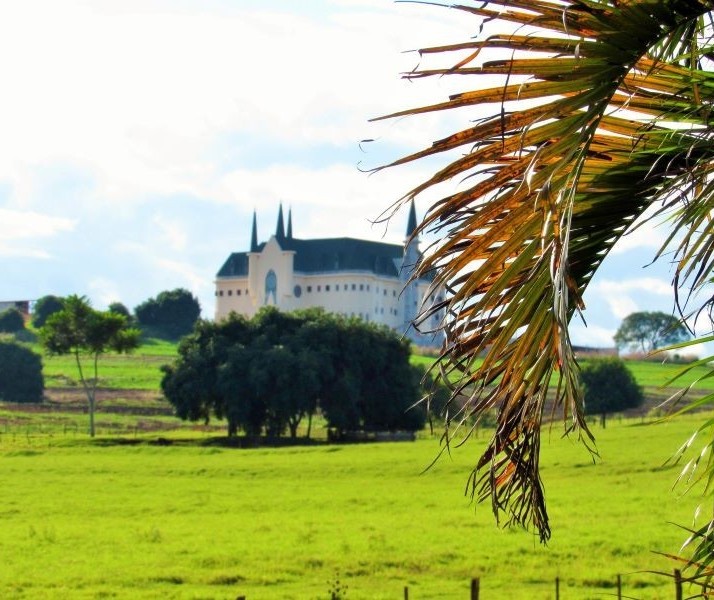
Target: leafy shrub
{"x": 20, "y": 373}
{"x": 11, "y": 321}
{"x": 171, "y": 314}
{"x": 44, "y": 307}
{"x": 609, "y": 386}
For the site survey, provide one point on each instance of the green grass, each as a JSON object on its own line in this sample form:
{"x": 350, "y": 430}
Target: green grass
{"x": 647, "y": 373}
{"x": 139, "y": 370}
{"x": 103, "y": 520}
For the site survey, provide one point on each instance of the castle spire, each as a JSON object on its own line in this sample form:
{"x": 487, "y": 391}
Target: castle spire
{"x": 289, "y": 233}
{"x": 280, "y": 229}
{"x": 412, "y": 223}
{"x": 254, "y": 234}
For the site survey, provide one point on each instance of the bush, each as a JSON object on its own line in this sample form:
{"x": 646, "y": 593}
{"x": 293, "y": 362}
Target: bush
{"x": 11, "y": 321}
{"x": 171, "y": 314}
{"x": 609, "y": 386}
{"x": 44, "y": 307}
{"x": 20, "y": 373}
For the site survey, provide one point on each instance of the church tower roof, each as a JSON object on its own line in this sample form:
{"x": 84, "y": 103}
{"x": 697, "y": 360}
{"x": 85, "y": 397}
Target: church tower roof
{"x": 289, "y": 233}
{"x": 254, "y": 235}
{"x": 412, "y": 223}
{"x": 280, "y": 229}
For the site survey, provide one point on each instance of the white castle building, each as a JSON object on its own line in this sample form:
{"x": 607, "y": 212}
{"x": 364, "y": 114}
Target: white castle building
{"x": 357, "y": 278}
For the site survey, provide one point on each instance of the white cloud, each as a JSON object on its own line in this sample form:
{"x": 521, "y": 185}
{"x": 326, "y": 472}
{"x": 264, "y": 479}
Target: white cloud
{"x": 18, "y": 225}
{"x": 104, "y": 291}
{"x": 629, "y": 295}
{"x": 171, "y": 232}
{"x": 650, "y": 285}
{"x": 22, "y": 233}
{"x": 137, "y": 94}
{"x": 649, "y": 234}
{"x": 592, "y": 335}
{"x": 621, "y": 306}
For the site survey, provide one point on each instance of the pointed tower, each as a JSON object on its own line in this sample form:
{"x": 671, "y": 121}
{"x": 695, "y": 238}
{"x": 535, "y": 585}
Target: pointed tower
{"x": 289, "y": 233}
{"x": 410, "y": 297}
{"x": 280, "y": 229}
{"x": 412, "y": 223}
{"x": 254, "y": 234}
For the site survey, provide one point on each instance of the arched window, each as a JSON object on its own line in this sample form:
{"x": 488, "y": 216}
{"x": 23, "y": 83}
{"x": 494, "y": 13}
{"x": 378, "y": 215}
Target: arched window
{"x": 271, "y": 286}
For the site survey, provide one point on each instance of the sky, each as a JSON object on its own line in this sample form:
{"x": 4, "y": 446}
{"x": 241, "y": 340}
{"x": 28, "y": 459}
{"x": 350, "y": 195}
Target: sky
{"x": 138, "y": 137}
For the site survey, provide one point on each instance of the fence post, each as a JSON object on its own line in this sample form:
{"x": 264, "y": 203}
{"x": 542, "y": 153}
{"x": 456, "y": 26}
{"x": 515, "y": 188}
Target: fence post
{"x": 475, "y": 585}
{"x": 406, "y": 592}
{"x": 619, "y": 587}
{"x": 678, "y": 584}
{"x": 557, "y": 588}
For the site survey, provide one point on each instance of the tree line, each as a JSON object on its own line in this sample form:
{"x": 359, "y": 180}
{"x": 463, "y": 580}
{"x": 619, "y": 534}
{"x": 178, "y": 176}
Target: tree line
{"x": 169, "y": 315}
{"x": 269, "y": 374}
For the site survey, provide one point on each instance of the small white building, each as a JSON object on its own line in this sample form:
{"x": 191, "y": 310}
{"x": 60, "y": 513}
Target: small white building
{"x": 355, "y": 278}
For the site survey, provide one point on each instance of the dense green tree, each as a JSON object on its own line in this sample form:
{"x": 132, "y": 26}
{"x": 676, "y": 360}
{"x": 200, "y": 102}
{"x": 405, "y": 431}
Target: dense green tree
{"x": 120, "y": 309}
{"x": 581, "y": 117}
{"x": 11, "y": 321}
{"x": 609, "y": 386}
{"x": 20, "y": 373}
{"x": 194, "y": 383}
{"x": 86, "y": 333}
{"x": 171, "y": 314}
{"x": 649, "y": 331}
{"x": 272, "y": 372}
{"x": 44, "y": 307}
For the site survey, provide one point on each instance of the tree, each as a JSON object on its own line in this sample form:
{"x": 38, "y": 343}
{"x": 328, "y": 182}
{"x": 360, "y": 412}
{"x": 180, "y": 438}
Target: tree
{"x": 44, "y": 307}
{"x": 609, "y": 386}
{"x": 272, "y": 372}
{"x": 591, "y": 114}
{"x": 119, "y": 309}
{"x": 649, "y": 331}
{"x": 81, "y": 331}
{"x": 20, "y": 373}
{"x": 171, "y": 314}
{"x": 11, "y": 321}
{"x": 209, "y": 370}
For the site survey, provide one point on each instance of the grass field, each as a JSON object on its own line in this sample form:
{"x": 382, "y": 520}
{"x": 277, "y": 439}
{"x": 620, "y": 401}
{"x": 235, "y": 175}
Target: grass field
{"x": 102, "y": 519}
{"x": 140, "y": 370}
{"x": 125, "y": 517}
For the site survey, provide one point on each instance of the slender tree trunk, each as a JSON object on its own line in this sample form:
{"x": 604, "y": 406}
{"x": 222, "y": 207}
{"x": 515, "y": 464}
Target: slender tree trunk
{"x": 309, "y": 424}
{"x": 90, "y": 391}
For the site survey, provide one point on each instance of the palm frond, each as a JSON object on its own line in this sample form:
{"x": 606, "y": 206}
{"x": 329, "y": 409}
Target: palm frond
{"x": 601, "y": 111}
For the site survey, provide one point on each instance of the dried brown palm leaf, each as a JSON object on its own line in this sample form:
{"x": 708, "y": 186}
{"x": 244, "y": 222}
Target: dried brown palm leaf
{"x": 572, "y": 146}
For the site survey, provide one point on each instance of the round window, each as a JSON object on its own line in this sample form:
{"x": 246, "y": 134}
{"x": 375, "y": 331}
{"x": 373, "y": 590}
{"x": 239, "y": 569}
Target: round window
{"x": 297, "y": 290}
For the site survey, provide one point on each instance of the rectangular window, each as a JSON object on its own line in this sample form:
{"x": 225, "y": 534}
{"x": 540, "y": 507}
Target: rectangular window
{"x": 309, "y": 288}
{"x": 354, "y": 287}
{"x": 394, "y": 293}
{"x": 361, "y": 287}
{"x": 230, "y": 292}
{"x": 237, "y": 292}
{"x": 367, "y": 287}
{"x": 385, "y": 292}
{"x": 327, "y": 288}
{"x": 220, "y": 293}
{"x": 319, "y": 288}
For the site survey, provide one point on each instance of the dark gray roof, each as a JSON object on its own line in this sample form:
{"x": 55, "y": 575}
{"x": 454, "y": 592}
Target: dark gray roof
{"x": 328, "y": 255}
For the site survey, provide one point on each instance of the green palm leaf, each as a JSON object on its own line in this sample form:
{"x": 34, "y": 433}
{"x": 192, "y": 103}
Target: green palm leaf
{"x": 603, "y": 110}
